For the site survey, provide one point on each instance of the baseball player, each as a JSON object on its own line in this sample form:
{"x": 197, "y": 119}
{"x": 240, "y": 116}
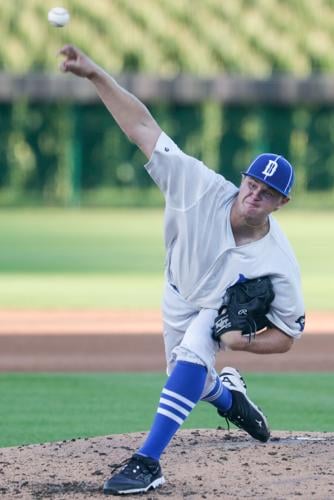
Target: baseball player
{"x": 217, "y": 238}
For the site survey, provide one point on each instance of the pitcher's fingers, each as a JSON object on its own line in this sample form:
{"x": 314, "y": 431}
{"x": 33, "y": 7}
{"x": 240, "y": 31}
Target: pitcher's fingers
{"x": 68, "y": 65}
{"x": 68, "y": 51}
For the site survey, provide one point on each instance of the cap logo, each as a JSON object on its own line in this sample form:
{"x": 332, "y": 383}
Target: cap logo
{"x": 270, "y": 168}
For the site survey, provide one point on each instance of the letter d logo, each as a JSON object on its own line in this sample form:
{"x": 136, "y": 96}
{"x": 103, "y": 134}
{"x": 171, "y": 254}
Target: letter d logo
{"x": 270, "y": 168}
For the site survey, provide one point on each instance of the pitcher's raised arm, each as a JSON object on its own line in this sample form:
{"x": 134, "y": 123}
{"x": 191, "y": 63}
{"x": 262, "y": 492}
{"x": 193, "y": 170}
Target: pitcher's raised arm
{"x": 130, "y": 113}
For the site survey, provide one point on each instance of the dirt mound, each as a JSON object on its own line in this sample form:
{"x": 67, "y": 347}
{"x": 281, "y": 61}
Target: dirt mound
{"x": 207, "y": 464}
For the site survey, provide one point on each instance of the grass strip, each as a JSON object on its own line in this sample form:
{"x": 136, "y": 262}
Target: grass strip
{"x": 44, "y": 407}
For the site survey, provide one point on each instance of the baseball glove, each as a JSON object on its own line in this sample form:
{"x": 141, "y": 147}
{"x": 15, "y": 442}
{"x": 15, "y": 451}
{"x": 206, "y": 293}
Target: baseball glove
{"x": 245, "y": 307}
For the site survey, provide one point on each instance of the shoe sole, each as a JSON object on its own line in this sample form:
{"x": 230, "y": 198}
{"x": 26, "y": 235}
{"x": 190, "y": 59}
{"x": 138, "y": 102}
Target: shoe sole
{"x": 263, "y": 438}
{"x": 256, "y": 408}
{"x": 155, "y": 484}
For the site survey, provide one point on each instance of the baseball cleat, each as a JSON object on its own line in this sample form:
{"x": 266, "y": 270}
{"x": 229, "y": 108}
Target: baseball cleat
{"x": 243, "y": 412}
{"x": 138, "y": 475}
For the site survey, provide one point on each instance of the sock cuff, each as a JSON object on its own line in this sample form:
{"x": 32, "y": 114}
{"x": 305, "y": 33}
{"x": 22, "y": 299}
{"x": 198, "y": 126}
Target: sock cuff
{"x": 215, "y": 393}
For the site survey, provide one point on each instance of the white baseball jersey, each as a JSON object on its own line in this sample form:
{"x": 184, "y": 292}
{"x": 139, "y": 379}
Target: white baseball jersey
{"x": 202, "y": 259}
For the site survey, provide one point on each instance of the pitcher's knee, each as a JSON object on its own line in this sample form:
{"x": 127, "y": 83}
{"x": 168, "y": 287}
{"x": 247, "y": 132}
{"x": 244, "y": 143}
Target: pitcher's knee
{"x": 185, "y": 354}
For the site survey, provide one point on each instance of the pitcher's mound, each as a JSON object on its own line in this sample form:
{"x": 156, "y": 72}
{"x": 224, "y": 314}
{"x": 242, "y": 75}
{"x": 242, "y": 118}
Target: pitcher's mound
{"x": 208, "y": 464}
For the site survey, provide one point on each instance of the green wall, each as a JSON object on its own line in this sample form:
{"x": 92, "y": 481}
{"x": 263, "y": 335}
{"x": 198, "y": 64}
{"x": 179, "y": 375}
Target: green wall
{"x": 62, "y": 154}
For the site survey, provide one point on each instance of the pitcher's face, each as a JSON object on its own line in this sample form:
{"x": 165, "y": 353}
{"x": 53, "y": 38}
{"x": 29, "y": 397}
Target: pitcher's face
{"x": 256, "y": 199}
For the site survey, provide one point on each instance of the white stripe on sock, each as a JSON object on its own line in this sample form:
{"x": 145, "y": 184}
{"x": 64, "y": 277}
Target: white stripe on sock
{"x": 170, "y": 415}
{"x": 175, "y": 395}
{"x": 215, "y": 395}
{"x": 177, "y": 407}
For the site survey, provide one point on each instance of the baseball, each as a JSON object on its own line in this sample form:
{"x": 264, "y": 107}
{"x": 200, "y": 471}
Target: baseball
{"x": 58, "y": 17}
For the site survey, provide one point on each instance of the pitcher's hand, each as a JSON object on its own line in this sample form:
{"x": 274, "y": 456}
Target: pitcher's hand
{"x": 76, "y": 62}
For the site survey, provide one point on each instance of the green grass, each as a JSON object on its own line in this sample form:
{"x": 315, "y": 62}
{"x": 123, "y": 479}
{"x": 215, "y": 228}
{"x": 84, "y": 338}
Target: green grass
{"x": 80, "y": 291}
{"x": 55, "y": 258}
{"x": 81, "y": 259}
{"x": 81, "y": 241}
{"x": 313, "y": 241}
{"x": 39, "y": 408}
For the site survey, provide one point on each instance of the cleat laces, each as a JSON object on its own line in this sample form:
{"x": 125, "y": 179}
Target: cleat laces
{"x": 134, "y": 466}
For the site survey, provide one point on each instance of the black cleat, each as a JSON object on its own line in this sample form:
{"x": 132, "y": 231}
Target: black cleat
{"x": 138, "y": 475}
{"x": 243, "y": 412}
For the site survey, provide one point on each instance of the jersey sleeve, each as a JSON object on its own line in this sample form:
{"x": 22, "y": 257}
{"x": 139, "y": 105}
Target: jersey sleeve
{"x": 181, "y": 178}
{"x": 287, "y": 312}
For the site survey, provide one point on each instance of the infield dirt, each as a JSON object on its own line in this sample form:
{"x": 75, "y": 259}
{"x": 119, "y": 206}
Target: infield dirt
{"x": 208, "y": 464}
{"x": 132, "y": 341}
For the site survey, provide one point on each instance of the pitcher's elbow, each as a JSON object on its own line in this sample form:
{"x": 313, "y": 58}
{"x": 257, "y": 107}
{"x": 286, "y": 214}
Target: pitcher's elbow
{"x": 286, "y": 345}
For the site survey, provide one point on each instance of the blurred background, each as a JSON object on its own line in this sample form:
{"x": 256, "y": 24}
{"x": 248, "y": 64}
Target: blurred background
{"x": 81, "y": 220}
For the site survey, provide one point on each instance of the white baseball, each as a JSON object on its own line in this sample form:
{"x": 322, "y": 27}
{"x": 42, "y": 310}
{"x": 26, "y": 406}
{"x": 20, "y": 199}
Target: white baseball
{"x": 58, "y": 17}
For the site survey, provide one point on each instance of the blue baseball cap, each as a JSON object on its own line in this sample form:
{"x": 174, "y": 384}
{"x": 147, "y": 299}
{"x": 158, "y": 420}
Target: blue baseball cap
{"x": 274, "y": 170}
